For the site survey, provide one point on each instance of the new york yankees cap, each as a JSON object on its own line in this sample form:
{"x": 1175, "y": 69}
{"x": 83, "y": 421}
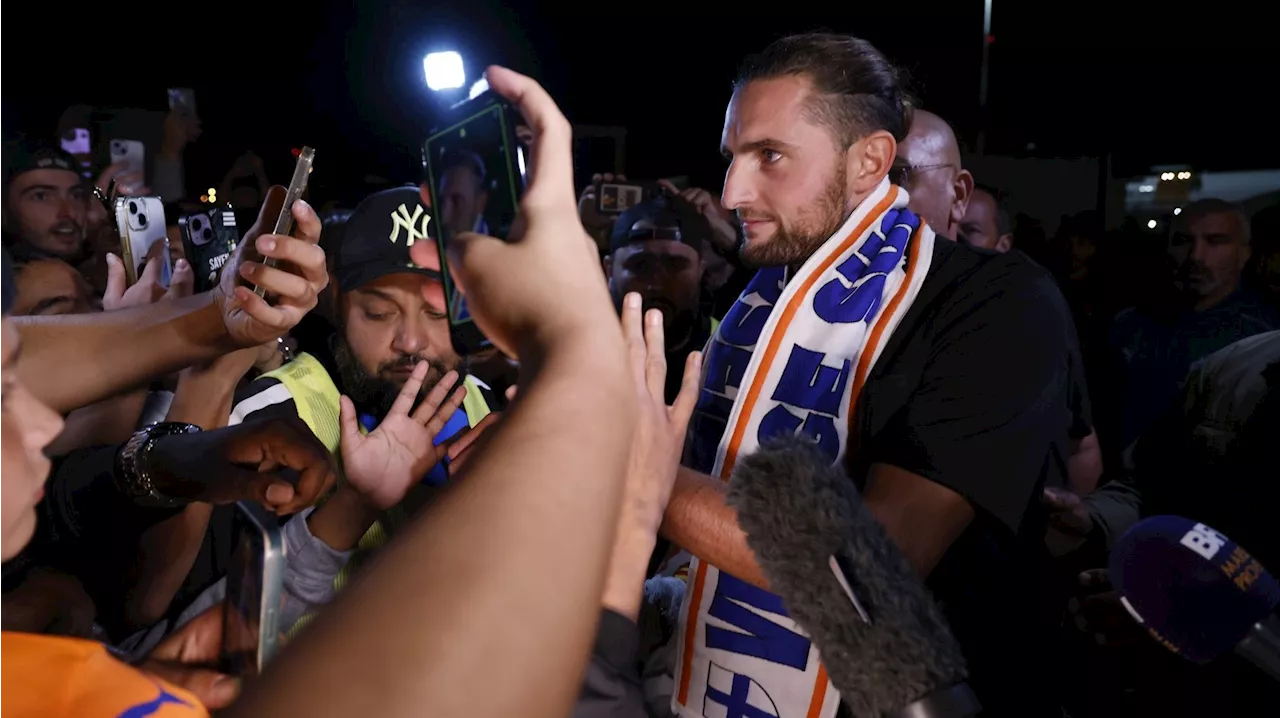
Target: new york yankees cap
{"x": 378, "y": 235}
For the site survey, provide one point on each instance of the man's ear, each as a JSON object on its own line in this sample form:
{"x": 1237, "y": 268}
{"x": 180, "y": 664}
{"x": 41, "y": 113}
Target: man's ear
{"x": 964, "y": 192}
{"x": 424, "y": 193}
{"x": 868, "y": 161}
{"x": 1005, "y": 243}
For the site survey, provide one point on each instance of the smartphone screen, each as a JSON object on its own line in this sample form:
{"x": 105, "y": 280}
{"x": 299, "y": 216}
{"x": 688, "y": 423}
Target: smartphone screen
{"x": 254, "y": 593}
{"x": 475, "y": 169}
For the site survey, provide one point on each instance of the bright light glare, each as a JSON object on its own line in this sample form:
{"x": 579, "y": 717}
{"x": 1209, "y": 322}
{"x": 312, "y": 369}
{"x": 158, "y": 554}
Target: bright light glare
{"x": 1177, "y": 211}
{"x": 1151, "y": 224}
{"x": 477, "y": 89}
{"x": 444, "y": 70}
{"x": 1146, "y": 188}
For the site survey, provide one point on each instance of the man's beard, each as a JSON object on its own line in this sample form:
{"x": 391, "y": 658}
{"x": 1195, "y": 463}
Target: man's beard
{"x": 371, "y": 390}
{"x": 793, "y": 245}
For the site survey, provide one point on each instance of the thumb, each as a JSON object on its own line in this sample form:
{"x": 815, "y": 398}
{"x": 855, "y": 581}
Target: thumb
{"x": 115, "y": 281}
{"x": 182, "y": 282}
{"x": 1059, "y": 500}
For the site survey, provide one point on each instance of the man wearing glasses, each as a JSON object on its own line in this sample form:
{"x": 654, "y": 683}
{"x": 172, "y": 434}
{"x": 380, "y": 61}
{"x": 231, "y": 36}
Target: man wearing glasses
{"x": 928, "y": 166}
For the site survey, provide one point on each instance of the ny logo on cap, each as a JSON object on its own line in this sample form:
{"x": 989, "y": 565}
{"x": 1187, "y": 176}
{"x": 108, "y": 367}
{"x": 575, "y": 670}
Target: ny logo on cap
{"x": 401, "y": 219}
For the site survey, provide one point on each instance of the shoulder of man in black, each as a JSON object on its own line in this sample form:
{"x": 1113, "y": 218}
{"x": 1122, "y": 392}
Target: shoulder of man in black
{"x": 973, "y": 388}
{"x": 263, "y": 397}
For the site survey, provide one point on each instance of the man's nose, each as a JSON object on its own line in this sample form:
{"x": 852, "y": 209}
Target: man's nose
{"x": 1199, "y": 250}
{"x": 738, "y": 189}
{"x": 411, "y": 336}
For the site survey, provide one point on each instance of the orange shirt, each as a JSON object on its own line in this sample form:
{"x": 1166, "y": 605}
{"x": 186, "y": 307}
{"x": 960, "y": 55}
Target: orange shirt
{"x": 50, "y": 676}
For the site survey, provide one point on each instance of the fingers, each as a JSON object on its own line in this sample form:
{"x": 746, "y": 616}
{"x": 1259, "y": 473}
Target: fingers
{"x": 182, "y": 282}
{"x": 551, "y": 173}
{"x": 682, "y": 409}
{"x": 668, "y": 187}
{"x": 347, "y": 420}
{"x": 1095, "y": 578}
{"x": 307, "y": 223}
{"x": 439, "y": 405}
{"x": 1059, "y": 500}
{"x": 315, "y": 480}
{"x": 633, "y": 330}
{"x": 409, "y": 392}
{"x": 655, "y": 364}
{"x": 215, "y": 690}
{"x": 299, "y": 253}
{"x": 459, "y": 450}
{"x": 115, "y": 282}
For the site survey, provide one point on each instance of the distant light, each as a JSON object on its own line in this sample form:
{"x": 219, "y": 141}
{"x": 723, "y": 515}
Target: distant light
{"x": 1151, "y": 224}
{"x": 296, "y": 152}
{"x": 1146, "y": 188}
{"x": 478, "y": 89}
{"x": 212, "y": 190}
{"x": 444, "y": 70}
{"x": 1177, "y": 211}
{"x": 204, "y": 198}
{"x": 1184, "y": 175}
{"x": 991, "y": 39}
{"x": 1166, "y": 176}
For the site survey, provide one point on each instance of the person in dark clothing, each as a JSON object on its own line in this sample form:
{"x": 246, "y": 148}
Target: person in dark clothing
{"x": 656, "y": 251}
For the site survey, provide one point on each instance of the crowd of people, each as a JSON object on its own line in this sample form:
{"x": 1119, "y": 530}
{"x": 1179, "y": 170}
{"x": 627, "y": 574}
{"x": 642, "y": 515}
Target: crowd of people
{"x": 546, "y": 527}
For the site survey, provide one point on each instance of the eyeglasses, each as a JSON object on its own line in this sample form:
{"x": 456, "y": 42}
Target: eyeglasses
{"x": 899, "y": 174}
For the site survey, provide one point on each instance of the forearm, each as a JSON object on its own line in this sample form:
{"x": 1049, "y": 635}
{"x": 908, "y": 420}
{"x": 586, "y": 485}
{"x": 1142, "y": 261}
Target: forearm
{"x": 503, "y": 574}
{"x": 700, "y": 521}
{"x": 1084, "y": 467}
{"x": 624, "y": 584}
{"x": 166, "y": 553}
{"x": 205, "y": 394}
{"x": 101, "y": 355}
{"x": 342, "y": 520}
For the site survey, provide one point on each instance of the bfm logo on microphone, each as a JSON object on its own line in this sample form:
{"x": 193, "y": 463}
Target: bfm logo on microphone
{"x": 1204, "y": 541}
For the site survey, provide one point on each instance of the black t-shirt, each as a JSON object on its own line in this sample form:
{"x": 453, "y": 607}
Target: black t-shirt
{"x": 979, "y": 390}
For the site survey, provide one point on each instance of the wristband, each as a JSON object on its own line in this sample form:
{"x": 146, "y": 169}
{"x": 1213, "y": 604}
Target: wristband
{"x": 134, "y": 475}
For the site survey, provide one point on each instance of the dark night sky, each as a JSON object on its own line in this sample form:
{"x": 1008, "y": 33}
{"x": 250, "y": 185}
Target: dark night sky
{"x": 1147, "y": 84}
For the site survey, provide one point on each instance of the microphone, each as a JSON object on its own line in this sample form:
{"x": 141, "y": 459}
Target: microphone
{"x": 1197, "y": 592}
{"x": 883, "y": 640}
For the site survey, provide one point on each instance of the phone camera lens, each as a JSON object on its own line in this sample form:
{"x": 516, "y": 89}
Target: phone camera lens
{"x": 197, "y": 224}
{"x": 142, "y": 220}
{"x": 133, "y": 208}
{"x": 207, "y": 234}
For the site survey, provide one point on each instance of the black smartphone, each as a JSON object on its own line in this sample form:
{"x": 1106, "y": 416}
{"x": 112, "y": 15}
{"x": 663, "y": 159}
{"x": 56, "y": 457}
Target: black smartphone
{"x": 475, "y": 173}
{"x": 255, "y": 592}
{"x": 209, "y": 238}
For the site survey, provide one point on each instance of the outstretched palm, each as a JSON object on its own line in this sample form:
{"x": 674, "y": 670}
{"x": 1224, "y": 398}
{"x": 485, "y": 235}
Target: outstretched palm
{"x": 384, "y": 464}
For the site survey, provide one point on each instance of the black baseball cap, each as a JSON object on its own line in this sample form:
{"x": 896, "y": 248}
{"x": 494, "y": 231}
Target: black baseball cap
{"x": 666, "y": 217}
{"x": 20, "y": 157}
{"x": 377, "y": 237}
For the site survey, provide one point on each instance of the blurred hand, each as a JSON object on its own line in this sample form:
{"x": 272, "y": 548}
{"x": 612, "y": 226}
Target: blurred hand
{"x": 127, "y": 183}
{"x": 660, "y": 431}
{"x": 384, "y": 464}
{"x": 274, "y": 460}
{"x": 560, "y": 290}
{"x": 1069, "y": 521}
{"x": 1098, "y": 611}
{"x": 723, "y": 234}
{"x": 148, "y": 289}
{"x": 294, "y": 284}
{"x": 183, "y": 660}
{"x": 598, "y": 224}
{"x": 180, "y": 129}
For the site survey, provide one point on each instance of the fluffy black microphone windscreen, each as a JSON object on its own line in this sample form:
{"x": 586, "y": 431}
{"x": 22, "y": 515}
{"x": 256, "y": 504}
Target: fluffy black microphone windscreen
{"x": 798, "y": 512}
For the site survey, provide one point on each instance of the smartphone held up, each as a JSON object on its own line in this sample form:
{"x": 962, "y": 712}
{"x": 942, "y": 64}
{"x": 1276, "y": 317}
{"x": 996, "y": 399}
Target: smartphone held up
{"x": 278, "y": 208}
{"x": 474, "y": 168}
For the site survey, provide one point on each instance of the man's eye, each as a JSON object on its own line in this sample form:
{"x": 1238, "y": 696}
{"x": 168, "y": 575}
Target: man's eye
{"x": 39, "y": 196}
{"x": 770, "y": 156}
{"x": 376, "y": 316}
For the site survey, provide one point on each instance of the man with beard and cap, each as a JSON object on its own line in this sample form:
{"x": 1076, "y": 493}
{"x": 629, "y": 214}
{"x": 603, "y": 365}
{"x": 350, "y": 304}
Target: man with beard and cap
{"x": 656, "y": 252}
{"x": 46, "y": 201}
{"x": 928, "y": 166}
{"x": 392, "y": 329}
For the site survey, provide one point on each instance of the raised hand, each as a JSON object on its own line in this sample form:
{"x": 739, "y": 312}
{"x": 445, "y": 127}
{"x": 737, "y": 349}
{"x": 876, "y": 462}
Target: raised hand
{"x": 383, "y": 465}
{"x": 294, "y": 284}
